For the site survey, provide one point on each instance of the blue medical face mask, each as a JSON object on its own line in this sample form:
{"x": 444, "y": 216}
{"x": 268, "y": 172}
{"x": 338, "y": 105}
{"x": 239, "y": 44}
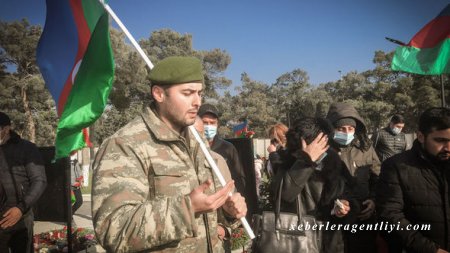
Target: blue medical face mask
{"x": 396, "y": 130}
{"x": 343, "y": 138}
{"x": 210, "y": 132}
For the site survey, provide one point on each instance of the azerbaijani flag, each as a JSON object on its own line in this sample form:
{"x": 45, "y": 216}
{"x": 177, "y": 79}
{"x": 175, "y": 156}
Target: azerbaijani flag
{"x": 75, "y": 58}
{"x": 428, "y": 52}
{"x": 240, "y": 129}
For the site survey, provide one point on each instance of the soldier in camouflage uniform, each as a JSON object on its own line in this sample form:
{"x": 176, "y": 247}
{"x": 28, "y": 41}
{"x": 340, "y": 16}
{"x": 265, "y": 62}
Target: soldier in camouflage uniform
{"x": 153, "y": 191}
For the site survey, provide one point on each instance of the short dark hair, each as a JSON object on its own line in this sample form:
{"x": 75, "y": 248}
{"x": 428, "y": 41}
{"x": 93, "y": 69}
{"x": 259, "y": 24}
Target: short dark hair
{"x": 397, "y": 119}
{"x": 434, "y": 119}
{"x": 307, "y": 128}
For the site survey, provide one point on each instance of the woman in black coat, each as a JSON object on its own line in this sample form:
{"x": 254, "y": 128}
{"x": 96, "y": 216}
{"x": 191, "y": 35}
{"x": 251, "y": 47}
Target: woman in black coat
{"x": 315, "y": 172}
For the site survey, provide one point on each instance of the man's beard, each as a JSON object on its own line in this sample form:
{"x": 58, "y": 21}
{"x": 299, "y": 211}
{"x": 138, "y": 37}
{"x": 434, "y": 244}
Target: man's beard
{"x": 441, "y": 158}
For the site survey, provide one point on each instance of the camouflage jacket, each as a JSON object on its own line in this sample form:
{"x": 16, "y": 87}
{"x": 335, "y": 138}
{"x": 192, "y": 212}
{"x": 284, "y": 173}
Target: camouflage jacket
{"x": 142, "y": 178}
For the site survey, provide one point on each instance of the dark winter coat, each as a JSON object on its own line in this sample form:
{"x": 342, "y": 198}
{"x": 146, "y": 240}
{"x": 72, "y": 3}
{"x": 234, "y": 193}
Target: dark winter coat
{"x": 231, "y": 156}
{"x": 23, "y": 176}
{"x": 318, "y": 189}
{"x": 414, "y": 190}
{"x": 359, "y": 156}
{"x": 275, "y": 159}
{"x": 363, "y": 165}
{"x": 387, "y": 144}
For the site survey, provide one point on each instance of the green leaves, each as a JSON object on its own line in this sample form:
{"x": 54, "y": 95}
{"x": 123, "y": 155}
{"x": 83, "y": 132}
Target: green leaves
{"x": 377, "y": 93}
{"x": 23, "y": 95}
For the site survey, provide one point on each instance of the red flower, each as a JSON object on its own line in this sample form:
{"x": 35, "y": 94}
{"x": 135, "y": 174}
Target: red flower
{"x": 249, "y": 134}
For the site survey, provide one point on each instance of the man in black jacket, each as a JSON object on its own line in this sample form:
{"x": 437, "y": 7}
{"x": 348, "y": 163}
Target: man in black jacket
{"x": 413, "y": 189}
{"x": 22, "y": 181}
{"x": 390, "y": 140}
{"x": 210, "y": 118}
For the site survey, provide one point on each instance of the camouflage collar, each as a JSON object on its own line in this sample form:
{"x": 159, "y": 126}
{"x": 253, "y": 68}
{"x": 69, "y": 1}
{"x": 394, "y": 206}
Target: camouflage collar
{"x": 159, "y": 129}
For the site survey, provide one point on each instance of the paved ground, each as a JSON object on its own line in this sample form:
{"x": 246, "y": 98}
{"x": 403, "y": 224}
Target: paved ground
{"x": 82, "y": 217}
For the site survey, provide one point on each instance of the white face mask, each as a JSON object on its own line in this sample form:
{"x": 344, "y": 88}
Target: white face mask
{"x": 210, "y": 132}
{"x": 396, "y": 130}
{"x": 343, "y": 138}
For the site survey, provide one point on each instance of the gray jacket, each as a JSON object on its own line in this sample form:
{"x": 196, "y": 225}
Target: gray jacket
{"x": 387, "y": 144}
{"x": 22, "y": 174}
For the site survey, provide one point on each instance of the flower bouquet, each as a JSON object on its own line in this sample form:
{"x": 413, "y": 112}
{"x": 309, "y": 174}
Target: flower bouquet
{"x": 56, "y": 240}
{"x": 239, "y": 239}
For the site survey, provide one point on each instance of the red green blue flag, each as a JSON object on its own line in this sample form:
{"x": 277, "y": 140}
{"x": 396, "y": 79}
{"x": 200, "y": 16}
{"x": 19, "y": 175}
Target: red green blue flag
{"x": 240, "y": 129}
{"x": 428, "y": 52}
{"x": 75, "y": 58}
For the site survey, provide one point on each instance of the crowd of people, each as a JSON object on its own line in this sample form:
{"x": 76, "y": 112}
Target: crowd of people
{"x": 376, "y": 181}
{"x": 154, "y": 190}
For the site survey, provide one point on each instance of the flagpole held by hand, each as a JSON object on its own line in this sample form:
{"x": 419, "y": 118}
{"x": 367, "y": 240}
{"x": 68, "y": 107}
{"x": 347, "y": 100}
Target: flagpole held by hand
{"x": 219, "y": 175}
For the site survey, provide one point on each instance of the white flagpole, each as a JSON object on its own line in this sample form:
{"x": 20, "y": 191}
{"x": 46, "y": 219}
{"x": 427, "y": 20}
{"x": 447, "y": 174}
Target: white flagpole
{"x": 219, "y": 176}
{"x": 192, "y": 129}
{"x": 128, "y": 34}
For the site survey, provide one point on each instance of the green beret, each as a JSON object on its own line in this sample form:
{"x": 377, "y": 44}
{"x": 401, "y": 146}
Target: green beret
{"x": 177, "y": 69}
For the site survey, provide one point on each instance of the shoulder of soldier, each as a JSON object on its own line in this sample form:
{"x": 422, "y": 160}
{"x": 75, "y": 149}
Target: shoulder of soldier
{"x": 132, "y": 133}
{"x": 126, "y": 142}
{"x": 130, "y": 129}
